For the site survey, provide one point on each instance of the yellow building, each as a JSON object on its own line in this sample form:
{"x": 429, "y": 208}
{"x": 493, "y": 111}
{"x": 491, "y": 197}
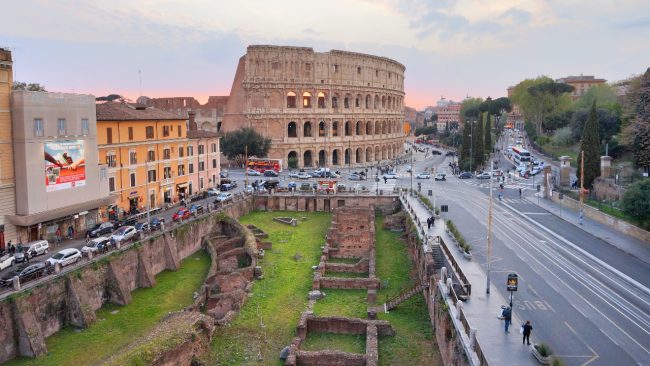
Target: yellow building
{"x": 7, "y": 182}
{"x": 147, "y": 152}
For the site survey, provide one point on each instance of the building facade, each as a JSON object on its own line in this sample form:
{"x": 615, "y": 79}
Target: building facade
{"x": 581, "y": 84}
{"x": 448, "y": 114}
{"x": 333, "y": 108}
{"x": 209, "y": 116}
{"x": 7, "y": 182}
{"x": 59, "y": 181}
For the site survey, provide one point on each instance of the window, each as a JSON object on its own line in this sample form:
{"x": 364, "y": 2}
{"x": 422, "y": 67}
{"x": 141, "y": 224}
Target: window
{"x": 359, "y": 70}
{"x": 167, "y": 172}
{"x": 109, "y": 135}
{"x": 335, "y": 102}
{"x": 336, "y": 68}
{"x": 214, "y": 148}
{"x": 166, "y": 154}
{"x": 201, "y": 166}
{"x": 110, "y": 160}
{"x": 291, "y": 100}
{"x": 292, "y": 129}
{"x": 84, "y": 126}
{"x": 61, "y": 125}
{"x": 201, "y": 149}
{"x": 132, "y": 176}
{"x": 321, "y": 100}
{"x": 307, "y": 67}
{"x": 190, "y": 168}
{"x": 214, "y": 163}
{"x": 130, "y": 133}
{"x": 181, "y": 151}
{"x": 306, "y": 100}
{"x": 376, "y": 72}
{"x": 181, "y": 170}
{"x": 38, "y": 127}
{"x": 151, "y": 176}
{"x": 201, "y": 183}
{"x": 111, "y": 184}
{"x": 179, "y": 130}
{"x": 149, "y": 132}
{"x": 190, "y": 151}
{"x": 165, "y": 131}
{"x": 151, "y": 155}
{"x": 133, "y": 159}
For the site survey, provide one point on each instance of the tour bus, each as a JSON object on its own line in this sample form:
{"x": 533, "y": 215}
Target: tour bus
{"x": 520, "y": 155}
{"x": 263, "y": 164}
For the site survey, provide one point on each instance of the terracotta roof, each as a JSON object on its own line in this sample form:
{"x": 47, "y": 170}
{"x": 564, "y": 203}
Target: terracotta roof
{"x": 114, "y": 111}
{"x": 201, "y": 134}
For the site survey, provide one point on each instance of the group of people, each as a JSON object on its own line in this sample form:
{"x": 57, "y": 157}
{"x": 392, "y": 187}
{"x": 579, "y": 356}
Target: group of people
{"x": 430, "y": 222}
{"x": 526, "y": 328}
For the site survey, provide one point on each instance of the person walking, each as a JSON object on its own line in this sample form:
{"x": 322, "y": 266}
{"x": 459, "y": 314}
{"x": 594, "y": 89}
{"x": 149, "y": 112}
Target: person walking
{"x": 507, "y": 318}
{"x": 433, "y": 220}
{"x": 428, "y": 223}
{"x": 519, "y": 192}
{"x": 527, "y": 329}
{"x": 385, "y": 180}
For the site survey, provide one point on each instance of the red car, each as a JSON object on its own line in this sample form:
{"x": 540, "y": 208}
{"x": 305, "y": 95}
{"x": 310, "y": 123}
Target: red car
{"x": 182, "y": 214}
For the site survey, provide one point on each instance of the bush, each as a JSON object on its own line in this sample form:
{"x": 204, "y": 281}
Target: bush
{"x": 458, "y": 236}
{"x": 544, "y": 350}
{"x": 636, "y": 201}
{"x": 563, "y": 137}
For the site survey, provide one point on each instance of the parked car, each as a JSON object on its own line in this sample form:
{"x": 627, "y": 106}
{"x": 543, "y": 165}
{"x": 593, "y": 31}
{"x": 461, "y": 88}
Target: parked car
{"x": 465, "y": 175}
{"x": 66, "y": 257}
{"x": 26, "y": 272}
{"x": 196, "y": 209}
{"x": 484, "y": 175}
{"x": 408, "y": 169}
{"x": 127, "y": 221}
{"x": 223, "y": 174}
{"x": 304, "y": 175}
{"x": 124, "y": 234}
{"x": 156, "y": 223}
{"x": 270, "y": 173}
{"x": 253, "y": 172}
{"x": 181, "y": 214}
{"x": 389, "y": 176}
{"x": 100, "y": 229}
{"x": 525, "y": 173}
{"x": 423, "y": 175}
{"x": 37, "y": 248}
{"x": 293, "y": 174}
{"x": 440, "y": 177}
{"x": 224, "y": 197}
{"x": 435, "y": 152}
{"x": 96, "y": 245}
{"x": 213, "y": 192}
{"x": 536, "y": 170}
{"x": 356, "y": 177}
{"x": 292, "y": 185}
{"x": 7, "y": 261}
{"x": 142, "y": 226}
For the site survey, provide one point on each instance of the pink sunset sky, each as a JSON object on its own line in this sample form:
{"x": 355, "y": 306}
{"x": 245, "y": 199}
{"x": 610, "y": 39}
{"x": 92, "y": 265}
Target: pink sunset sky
{"x": 451, "y": 48}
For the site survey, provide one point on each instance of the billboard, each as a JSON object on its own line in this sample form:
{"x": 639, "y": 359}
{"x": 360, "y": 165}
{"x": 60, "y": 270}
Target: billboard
{"x": 64, "y": 165}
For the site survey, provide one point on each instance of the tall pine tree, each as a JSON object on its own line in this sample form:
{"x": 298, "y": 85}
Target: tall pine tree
{"x": 465, "y": 147}
{"x": 590, "y": 144}
{"x": 487, "y": 144}
{"x": 477, "y": 139}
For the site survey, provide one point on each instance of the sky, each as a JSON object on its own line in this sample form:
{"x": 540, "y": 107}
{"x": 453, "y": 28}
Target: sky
{"x": 451, "y": 48}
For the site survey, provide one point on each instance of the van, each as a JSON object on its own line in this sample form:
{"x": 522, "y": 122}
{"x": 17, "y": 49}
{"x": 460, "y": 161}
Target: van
{"x": 37, "y": 248}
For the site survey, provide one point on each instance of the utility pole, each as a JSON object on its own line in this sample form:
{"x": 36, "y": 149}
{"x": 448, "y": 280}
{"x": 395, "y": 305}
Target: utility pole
{"x": 471, "y": 144}
{"x": 489, "y": 238}
{"x": 412, "y": 147}
{"x": 582, "y": 184}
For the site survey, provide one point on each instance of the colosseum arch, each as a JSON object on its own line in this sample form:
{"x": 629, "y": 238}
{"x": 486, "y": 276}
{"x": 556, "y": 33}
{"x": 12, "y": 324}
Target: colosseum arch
{"x": 322, "y": 158}
{"x": 335, "y": 100}
{"x": 383, "y": 127}
{"x": 359, "y": 156}
{"x": 307, "y": 159}
{"x": 307, "y": 129}
{"x": 321, "y": 100}
{"x": 347, "y": 100}
{"x": 292, "y": 129}
{"x": 377, "y": 153}
{"x": 375, "y": 105}
{"x": 322, "y": 129}
{"x": 390, "y": 152}
{"x": 336, "y": 160}
{"x": 383, "y": 102}
{"x": 347, "y": 156}
{"x": 369, "y": 154}
{"x": 368, "y": 101}
{"x": 383, "y": 152}
{"x": 335, "y": 128}
{"x": 292, "y": 159}
{"x": 377, "y": 127}
{"x": 357, "y": 101}
{"x": 359, "y": 128}
{"x": 369, "y": 128}
{"x": 306, "y": 100}
{"x": 348, "y": 128}
{"x": 291, "y": 100}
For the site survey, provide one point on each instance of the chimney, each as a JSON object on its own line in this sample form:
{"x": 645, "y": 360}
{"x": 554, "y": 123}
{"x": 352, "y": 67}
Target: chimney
{"x": 192, "y": 122}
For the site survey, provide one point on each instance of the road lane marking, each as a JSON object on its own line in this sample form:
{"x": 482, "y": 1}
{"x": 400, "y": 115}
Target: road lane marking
{"x": 594, "y": 356}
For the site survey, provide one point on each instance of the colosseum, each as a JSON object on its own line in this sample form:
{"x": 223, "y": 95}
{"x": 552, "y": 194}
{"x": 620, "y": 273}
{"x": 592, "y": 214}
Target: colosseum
{"x": 333, "y": 108}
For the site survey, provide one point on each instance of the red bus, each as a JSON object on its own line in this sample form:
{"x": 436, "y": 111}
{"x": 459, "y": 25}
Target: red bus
{"x": 262, "y": 164}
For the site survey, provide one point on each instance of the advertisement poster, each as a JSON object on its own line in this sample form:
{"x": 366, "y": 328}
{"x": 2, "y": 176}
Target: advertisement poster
{"x": 64, "y": 165}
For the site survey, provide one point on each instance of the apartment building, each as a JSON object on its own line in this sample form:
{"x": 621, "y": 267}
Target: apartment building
{"x": 7, "y": 183}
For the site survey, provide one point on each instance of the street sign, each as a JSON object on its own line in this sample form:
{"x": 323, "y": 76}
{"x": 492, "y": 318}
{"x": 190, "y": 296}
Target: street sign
{"x": 513, "y": 280}
{"x": 430, "y": 192}
{"x": 539, "y": 188}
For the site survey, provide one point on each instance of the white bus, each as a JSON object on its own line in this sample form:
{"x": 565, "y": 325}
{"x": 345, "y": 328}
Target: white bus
{"x": 520, "y": 155}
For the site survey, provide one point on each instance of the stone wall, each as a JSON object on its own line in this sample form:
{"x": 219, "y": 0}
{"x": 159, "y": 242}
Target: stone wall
{"x": 387, "y": 204}
{"x": 352, "y": 233}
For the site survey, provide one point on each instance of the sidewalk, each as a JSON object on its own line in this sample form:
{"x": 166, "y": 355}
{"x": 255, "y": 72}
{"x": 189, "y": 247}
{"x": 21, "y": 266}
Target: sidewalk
{"x": 628, "y": 244}
{"x": 499, "y": 347}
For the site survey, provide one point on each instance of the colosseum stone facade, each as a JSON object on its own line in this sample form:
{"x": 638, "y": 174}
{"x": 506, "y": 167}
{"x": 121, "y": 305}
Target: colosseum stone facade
{"x": 332, "y": 109}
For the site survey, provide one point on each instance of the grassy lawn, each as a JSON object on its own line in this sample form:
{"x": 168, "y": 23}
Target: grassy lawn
{"x": 117, "y": 326}
{"x": 557, "y": 151}
{"x": 340, "y": 302}
{"x": 341, "y": 342}
{"x": 268, "y": 320}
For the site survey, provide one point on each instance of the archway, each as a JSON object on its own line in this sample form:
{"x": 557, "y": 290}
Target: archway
{"x": 322, "y": 129}
{"x": 307, "y": 129}
{"x": 369, "y": 156}
{"x": 306, "y": 100}
{"x": 292, "y": 129}
{"x": 359, "y": 156}
{"x": 322, "y": 158}
{"x": 335, "y": 157}
{"x": 307, "y": 159}
{"x": 291, "y": 100}
{"x": 335, "y": 128}
{"x": 359, "y": 128}
{"x": 292, "y": 160}
{"x": 369, "y": 128}
{"x": 348, "y": 129}
{"x": 347, "y": 156}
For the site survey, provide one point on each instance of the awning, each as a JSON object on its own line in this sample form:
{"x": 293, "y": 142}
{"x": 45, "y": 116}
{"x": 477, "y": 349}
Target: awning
{"x": 40, "y": 217}
{"x": 182, "y": 185}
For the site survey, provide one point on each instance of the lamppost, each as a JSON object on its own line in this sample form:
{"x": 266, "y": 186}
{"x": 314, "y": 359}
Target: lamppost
{"x": 412, "y": 171}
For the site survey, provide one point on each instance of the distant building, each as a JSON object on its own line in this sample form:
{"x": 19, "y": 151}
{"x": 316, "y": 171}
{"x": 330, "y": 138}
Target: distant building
{"x": 59, "y": 181}
{"x": 514, "y": 118}
{"x": 447, "y": 114}
{"x": 209, "y": 116}
{"x": 581, "y": 84}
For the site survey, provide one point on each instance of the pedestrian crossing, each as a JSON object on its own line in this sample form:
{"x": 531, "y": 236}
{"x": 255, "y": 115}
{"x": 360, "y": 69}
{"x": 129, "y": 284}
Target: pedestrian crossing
{"x": 508, "y": 185}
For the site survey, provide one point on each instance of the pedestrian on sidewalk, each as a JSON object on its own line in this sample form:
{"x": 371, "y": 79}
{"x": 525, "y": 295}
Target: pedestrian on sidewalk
{"x": 433, "y": 220}
{"x": 519, "y": 192}
{"x": 507, "y": 318}
{"x": 527, "y": 329}
{"x": 428, "y": 223}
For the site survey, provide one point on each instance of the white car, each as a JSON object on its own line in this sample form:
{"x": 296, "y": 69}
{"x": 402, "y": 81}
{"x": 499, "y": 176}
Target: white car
{"x": 423, "y": 176}
{"x": 304, "y": 175}
{"x": 6, "y": 261}
{"x": 123, "y": 234}
{"x": 389, "y": 176}
{"x": 65, "y": 257}
{"x": 293, "y": 174}
{"x": 95, "y": 244}
{"x": 441, "y": 176}
{"x": 484, "y": 175}
{"x": 253, "y": 172}
{"x": 224, "y": 197}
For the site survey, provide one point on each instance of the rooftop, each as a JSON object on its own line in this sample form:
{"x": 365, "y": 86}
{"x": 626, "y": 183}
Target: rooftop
{"x": 115, "y": 111}
{"x": 201, "y": 134}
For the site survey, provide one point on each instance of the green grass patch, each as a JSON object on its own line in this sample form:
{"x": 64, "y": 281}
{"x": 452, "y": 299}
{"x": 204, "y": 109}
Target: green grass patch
{"x": 557, "y": 151}
{"x": 352, "y": 343}
{"x": 268, "y": 320}
{"x": 340, "y": 302}
{"x": 346, "y": 274}
{"x": 113, "y": 331}
{"x": 344, "y": 260}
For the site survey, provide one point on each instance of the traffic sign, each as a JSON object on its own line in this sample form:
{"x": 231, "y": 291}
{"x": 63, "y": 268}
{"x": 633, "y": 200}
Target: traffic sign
{"x": 513, "y": 281}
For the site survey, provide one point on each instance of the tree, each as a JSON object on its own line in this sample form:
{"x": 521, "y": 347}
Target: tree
{"x": 603, "y": 94}
{"x": 609, "y": 123}
{"x": 19, "y": 85}
{"x": 487, "y": 142}
{"x": 539, "y": 97}
{"x": 477, "y": 143}
{"x": 465, "y": 146}
{"x": 468, "y": 109}
{"x": 636, "y": 201}
{"x": 234, "y": 143}
{"x": 590, "y": 144}
{"x": 111, "y": 98}
{"x": 637, "y": 130}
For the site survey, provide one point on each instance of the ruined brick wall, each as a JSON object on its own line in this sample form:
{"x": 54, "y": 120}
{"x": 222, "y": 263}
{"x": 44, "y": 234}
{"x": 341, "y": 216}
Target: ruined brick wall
{"x": 352, "y": 233}
{"x": 326, "y": 203}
